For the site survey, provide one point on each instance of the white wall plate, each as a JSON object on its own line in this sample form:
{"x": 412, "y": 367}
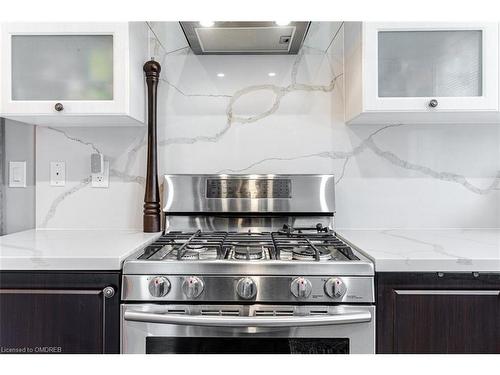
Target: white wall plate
{"x": 57, "y": 173}
{"x": 101, "y": 180}
{"x": 17, "y": 174}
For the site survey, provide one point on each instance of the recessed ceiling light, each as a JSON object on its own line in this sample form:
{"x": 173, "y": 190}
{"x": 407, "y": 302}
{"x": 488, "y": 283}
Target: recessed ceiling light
{"x": 271, "y": 74}
{"x": 282, "y": 23}
{"x": 220, "y": 75}
{"x": 207, "y": 23}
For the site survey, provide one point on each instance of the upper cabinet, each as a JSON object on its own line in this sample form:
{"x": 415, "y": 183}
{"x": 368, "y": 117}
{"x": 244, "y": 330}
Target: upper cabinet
{"x": 421, "y": 72}
{"x": 73, "y": 73}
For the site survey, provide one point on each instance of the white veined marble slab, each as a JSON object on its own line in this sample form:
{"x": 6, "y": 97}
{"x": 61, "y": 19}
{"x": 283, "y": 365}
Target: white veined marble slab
{"x": 70, "y": 249}
{"x": 446, "y": 250}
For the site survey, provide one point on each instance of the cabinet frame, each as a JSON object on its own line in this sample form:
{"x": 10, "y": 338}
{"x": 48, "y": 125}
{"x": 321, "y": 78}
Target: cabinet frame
{"x": 119, "y": 31}
{"x": 487, "y": 101}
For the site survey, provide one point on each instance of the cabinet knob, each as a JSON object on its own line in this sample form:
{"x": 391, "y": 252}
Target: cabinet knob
{"x": 58, "y": 107}
{"x": 109, "y": 292}
{"x": 433, "y": 103}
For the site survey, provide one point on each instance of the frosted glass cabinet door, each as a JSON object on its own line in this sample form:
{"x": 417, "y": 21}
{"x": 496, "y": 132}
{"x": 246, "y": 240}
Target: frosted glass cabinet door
{"x": 408, "y": 65}
{"x": 430, "y": 63}
{"x": 59, "y": 69}
{"x": 62, "y": 67}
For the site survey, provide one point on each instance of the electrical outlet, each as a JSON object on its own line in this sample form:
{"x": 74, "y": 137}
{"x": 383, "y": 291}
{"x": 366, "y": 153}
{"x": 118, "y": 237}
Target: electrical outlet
{"x": 101, "y": 180}
{"x": 57, "y": 173}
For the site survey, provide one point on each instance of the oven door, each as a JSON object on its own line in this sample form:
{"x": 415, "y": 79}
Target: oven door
{"x": 252, "y": 329}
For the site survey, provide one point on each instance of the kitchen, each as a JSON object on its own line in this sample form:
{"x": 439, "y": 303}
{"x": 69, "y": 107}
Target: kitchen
{"x": 376, "y": 143}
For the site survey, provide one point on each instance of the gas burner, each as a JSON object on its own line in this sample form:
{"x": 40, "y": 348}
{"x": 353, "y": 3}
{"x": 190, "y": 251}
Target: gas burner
{"x": 308, "y": 253}
{"x": 194, "y": 252}
{"x": 247, "y": 252}
{"x": 190, "y": 255}
{"x": 242, "y": 252}
{"x": 250, "y": 251}
{"x": 195, "y": 247}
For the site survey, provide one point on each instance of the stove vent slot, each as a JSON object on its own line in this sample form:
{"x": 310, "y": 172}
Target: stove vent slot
{"x": 318, "y": 312}
{"x": 264, "y": 313}
{"x": 210, "y": 312}
{"x": 230, "y": 312}
{"x": 176, "y": 311}
{"x": 220, "y": 312}
{"x": 284, "y": 312}
{"x": 273, "y": 312}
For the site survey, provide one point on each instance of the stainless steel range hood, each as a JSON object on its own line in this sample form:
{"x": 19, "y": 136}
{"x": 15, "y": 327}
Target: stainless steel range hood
{"x": 245, "y": 38}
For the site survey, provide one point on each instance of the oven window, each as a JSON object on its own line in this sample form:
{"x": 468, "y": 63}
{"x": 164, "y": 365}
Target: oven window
{"x": 230, "y": 345}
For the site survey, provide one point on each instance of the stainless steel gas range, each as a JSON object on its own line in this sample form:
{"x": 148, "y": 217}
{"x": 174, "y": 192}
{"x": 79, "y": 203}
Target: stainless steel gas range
{"x": 248, "y": 264}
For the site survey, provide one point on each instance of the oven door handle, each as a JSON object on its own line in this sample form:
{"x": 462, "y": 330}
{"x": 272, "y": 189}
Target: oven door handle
{"x": 244, "y": 321}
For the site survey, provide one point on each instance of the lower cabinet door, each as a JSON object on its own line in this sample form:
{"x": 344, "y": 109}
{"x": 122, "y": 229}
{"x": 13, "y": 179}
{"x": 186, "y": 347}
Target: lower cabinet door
{"x": 59, "y": 312}
{"x": 435, "y": 312}
{"x": 432, "y": 321}
{"x": 51, "y": 321}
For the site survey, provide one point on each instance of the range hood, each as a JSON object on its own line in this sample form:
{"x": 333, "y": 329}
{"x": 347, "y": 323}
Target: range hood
{"x": 245, "y": 38}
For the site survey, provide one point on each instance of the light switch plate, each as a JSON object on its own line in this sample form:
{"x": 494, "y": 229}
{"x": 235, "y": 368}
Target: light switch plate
{"x": 17, "y": 174}
{"x": 101, "y": 180}
{"x": 57, "y": 173}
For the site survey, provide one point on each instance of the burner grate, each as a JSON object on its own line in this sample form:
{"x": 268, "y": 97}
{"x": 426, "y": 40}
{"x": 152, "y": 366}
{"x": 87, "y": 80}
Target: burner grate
{"x": 293, "y": 245}
{"x": 186, "y": 246}
{"x": 318, "y": 244}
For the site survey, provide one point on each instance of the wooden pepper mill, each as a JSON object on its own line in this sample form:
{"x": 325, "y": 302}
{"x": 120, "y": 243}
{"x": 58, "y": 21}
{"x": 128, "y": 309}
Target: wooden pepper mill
{"x": 151, "y": 218}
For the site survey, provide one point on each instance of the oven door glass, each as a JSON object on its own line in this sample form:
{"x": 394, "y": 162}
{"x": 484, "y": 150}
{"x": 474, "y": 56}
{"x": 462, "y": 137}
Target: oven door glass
{"x": 232, "y": 345}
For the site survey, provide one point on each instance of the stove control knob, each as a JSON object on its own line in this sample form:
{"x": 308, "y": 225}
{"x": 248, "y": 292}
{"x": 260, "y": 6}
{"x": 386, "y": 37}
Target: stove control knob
{"x": 301, "y": 287}
{"x": 246, "y": 288}
{"x": 192, "y": 286}
{"x": 335, "y": 288}
{"x": 159, "y": 286}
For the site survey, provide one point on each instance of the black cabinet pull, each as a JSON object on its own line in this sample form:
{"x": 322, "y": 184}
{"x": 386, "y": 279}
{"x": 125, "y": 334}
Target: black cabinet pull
{"x": 433, "y": 103}
{"x": 58, "y": 107}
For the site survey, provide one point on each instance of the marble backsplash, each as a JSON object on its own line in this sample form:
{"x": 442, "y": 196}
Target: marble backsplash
{"x": 275, "y": 114}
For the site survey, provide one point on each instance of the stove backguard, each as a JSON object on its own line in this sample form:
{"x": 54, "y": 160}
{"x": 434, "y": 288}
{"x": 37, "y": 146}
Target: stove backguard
{"x": 248, "y": 193}
{"x": 247, "y": 202}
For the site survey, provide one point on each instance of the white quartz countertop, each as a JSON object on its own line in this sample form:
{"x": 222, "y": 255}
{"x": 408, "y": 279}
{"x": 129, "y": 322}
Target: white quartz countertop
{"x": 447, "y": 250}
{"x": 70, "y": 249}
{"x": 392, "y": 250}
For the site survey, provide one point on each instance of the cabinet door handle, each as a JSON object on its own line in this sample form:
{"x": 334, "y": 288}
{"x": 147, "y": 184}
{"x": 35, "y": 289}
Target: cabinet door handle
{"x": 48, "y": 291}
{"x": 449, "y": 292}
{"x": 58, "y": 107}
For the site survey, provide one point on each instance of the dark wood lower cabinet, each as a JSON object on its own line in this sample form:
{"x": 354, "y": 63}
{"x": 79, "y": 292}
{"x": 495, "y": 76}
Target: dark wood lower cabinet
{"x": 431, "y": 313}
{"x": 59, "y": 312}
